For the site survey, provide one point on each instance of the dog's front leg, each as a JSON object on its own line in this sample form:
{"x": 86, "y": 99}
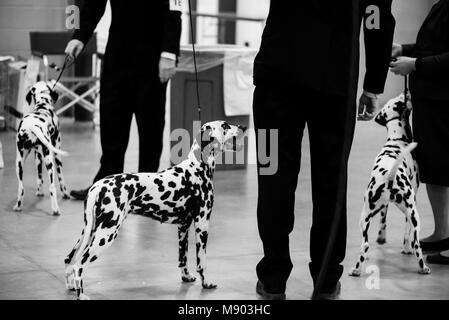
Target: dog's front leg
{"x": 51, "y": 177}
{"x": 39, "y": 178}
{"x": 201, "y": 235}
{"x": 183, "y": 235}
{"x": 19, "y": 173}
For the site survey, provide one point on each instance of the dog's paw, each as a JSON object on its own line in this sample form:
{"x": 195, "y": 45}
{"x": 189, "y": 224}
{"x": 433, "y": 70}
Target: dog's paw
{"x": 56, "y": 213}
{"x": 39, "y": 193}
{"x": 355, "y": 272}
{"x": 65, "y": 196}
{"x": 82, "y": 296}
{"x": 188, "y": 278}
{"x": 17, "y": 208}
{"x": 209, "y": 285}
{"x": 381, "y": 240}
{"x": 425, "y": 270}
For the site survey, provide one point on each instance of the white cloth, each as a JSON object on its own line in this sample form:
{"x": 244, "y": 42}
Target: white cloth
{"x": 238, "y": 85}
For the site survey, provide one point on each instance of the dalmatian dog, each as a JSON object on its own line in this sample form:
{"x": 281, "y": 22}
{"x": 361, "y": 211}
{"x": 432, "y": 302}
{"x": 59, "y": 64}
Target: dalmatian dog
{"x": 39, "y": 132}
{"x": 180, "y": 195}
{"x": 394, "y": 178}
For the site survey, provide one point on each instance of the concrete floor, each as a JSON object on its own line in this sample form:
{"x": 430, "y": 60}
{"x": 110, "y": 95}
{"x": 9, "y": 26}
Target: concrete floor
{"x": 142, "y": 263}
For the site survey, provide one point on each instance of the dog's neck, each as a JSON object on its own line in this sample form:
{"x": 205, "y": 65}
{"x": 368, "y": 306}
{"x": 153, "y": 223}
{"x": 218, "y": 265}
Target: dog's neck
{"x": 203, "y": 158}
{"x": 399, "y": 130}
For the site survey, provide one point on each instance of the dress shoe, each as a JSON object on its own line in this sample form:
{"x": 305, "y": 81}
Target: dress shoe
{"x": 269, "y": 294}
{"x": 79, "y": 194}
{"x": 332, "y": 295}
{"x": 440, "y": 245}
{"x": 437, "y": 259}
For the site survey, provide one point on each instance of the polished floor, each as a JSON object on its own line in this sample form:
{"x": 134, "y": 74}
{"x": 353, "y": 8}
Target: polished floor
{"x": 142, "y": 263}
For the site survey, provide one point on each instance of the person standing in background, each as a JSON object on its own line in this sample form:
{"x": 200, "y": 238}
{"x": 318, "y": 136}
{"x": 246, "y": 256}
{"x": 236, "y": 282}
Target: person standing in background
{"x": 427, "y": 62}
{"x": 302, "y": 76}
{"x": 140, "y": 57}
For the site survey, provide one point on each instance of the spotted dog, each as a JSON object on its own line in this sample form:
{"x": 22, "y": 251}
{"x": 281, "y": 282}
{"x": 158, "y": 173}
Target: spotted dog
{"x": 39, "y": 131}
{"x": 394, "y": 178}
{"x": 180, "y": 195}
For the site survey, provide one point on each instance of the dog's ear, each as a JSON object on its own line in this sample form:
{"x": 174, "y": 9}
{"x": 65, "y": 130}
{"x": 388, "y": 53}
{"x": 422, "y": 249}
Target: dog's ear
{"x": 206, "y": 136}
{"x": 30, "y": 95}
{"x": 54, "y": 95}
{"x": 381, "y": 119}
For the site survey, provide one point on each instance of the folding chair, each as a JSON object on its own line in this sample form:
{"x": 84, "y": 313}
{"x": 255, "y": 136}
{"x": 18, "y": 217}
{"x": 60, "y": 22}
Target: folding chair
{"x": 44, "y": 44}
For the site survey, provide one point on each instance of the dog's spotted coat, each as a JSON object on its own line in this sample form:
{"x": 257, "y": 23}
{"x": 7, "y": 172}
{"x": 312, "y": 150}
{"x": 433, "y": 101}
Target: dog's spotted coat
{"x": 394, "y": 178}
{"x": 39, "y": 131}
{"x": 180, "y": 195}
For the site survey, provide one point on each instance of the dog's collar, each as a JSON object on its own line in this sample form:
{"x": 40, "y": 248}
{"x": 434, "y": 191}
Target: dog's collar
{"x": 395, "y": 118}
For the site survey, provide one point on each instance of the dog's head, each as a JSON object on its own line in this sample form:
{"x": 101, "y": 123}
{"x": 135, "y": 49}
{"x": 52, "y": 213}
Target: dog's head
{"x": 394, "y": 109}
{"x": 42, "y": 91}
{"x": 219, "y": 136}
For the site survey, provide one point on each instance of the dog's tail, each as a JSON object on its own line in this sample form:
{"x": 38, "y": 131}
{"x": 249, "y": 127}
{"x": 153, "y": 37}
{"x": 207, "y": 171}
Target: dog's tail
{"x": 45, "y": 141}
{"x": 392, "y": 174}
{"x": 89, "y": 221}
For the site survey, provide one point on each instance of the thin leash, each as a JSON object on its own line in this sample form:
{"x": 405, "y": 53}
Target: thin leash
{"x": 406, "y": 89}
{"x": 61, "y": 70}
{"x": 192, "y": 33}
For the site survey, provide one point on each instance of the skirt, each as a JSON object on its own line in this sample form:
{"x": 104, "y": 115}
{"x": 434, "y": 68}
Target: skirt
{"x": 431, "y": 132}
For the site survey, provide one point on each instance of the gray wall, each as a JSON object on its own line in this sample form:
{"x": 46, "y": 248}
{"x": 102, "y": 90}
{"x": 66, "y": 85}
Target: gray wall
{"x": 18, "y": 17}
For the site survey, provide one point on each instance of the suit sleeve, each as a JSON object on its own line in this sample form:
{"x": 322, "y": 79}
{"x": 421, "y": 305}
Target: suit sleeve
{"x": 378, "y": 45}
{"x": 408, "y": 50}
{"x": 172, "y": 26}
{"x": 90, "y": 15}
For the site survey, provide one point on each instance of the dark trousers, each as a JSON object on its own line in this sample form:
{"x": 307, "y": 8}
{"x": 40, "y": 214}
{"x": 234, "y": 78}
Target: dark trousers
{"x": 123, "y": 95}
{"x": 329, "y": 123}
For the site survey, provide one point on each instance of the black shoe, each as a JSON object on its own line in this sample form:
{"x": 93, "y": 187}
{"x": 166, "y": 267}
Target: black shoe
{"x": 266, "y": 294}
{"x": 437, "y": 259}
{"x": 332, "y": 295}
{"x": 440, "y": 245}
{"x": 79, "y": 194}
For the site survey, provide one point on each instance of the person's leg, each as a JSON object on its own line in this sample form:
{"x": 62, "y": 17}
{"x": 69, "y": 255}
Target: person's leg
{"x": 150, "y": 118}
{"x": 274, "y": 108}
{"x": 439, "y": 200}
{"x": 331, "y": 128}
{"x": 116, "y": 110}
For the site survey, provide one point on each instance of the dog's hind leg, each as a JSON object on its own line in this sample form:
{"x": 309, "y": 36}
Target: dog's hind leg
{"x": 382, "y": 235}
{"x": 61, "y": 179}
{"x": 69, "y": 277}
{"x": 183, "y": 235}
{"x": 406, "y": 243}
{"x": 39, "y": 177}
{"x": 51, "y": 177}
{"x": 365, "y": 220}
{"x": 201, "y": 236}
{"x": 411, "y": 211}
{"x": 19, "y": 173}
{"x": 58, "y": 163}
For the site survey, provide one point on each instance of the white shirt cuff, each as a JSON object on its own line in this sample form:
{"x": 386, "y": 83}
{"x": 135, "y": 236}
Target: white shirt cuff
{"x": 168, "y": 55}
{"x": 370, "y": 95}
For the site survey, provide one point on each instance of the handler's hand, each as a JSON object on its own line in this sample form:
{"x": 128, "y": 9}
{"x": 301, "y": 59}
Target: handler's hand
{"x": 367, "y": 108}
{"x": 167, "y": 69}
{"x": 403, "y": 66}
{"x": 396, "y": 50}
{"x": 74, "y": 48}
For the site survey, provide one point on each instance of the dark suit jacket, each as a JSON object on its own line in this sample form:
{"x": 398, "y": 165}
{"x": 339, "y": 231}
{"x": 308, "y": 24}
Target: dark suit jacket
{"x": 310, "y": 42}
{"x": 431, "y": 80}
{"x": 139, "y": 32}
